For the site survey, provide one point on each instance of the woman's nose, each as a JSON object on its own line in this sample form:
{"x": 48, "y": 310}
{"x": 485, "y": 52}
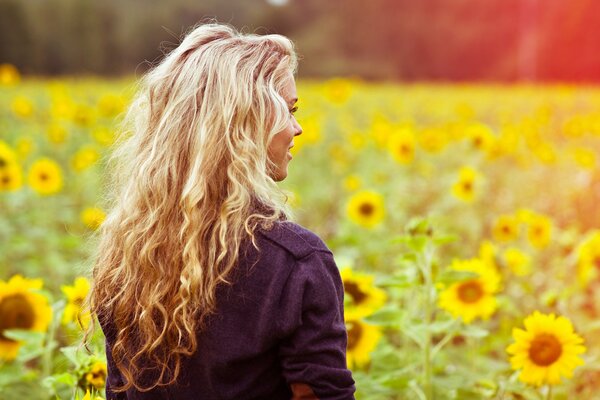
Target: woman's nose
{"x": 298, "y": 129}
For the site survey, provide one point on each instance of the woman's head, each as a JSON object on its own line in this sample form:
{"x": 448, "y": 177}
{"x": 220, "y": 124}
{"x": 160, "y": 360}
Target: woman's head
{"x": 203, "y": 143}
{"x": 220, "y": 97}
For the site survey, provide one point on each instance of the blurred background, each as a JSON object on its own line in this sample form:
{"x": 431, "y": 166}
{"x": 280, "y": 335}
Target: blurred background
{"x": 469, "y": 128}
{"x": 408, "y": 40}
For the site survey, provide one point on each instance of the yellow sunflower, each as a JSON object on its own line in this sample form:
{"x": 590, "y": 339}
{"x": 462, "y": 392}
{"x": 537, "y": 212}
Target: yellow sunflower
{"x": 21, "y": 307}
{"x": 539, "y": 231}
{"x": 365, "y": 297}
{"x": 545, "y": 350}
{"x": 480, "y": 136}
{"x": 352, "y": 183}
{"x": 96, "y": 375}
{"x": 11, "y": 177}
{"x": 75, "y": 296}
{"x": 7, "y": 155}
{"x": 84, "y": 158}
{"x": 464, "y": 187}
{"x": 9, "y": 74}
{"x": 366, "y": 208}
{"x": 402, "y": 145}
{"x": 338, "y": 90}
{"x": 588, "y": 258}
{"x": 88, "y": 396}
{"x": 45, "y": 176}
{"x": 22, "y": 107}
{"x": 92, "y": 217}
{"x": 56, "y": 133}
{"x": 110, "y": 105}
{"x": 472, "y": 298}
{"x": 517, "y": 261}
{"x": 104, "y": 136}
{"x": 585, "y": 158}
{"x": 362, "y": 340}
{"x": 506, "y": 228}
{"x": 433, "y": 139}
{"x": 488, "y": 254}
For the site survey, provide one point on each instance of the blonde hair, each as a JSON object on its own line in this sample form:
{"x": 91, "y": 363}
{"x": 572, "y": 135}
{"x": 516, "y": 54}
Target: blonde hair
{"x": 193, "y": 183}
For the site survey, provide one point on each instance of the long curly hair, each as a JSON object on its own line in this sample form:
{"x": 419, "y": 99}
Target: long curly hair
{"x": 188, "y": 170}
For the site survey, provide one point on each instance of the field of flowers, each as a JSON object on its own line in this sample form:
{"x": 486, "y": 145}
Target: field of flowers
{"x": 465, "y": 220}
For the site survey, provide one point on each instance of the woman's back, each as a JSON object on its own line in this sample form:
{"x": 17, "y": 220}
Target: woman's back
{"x": 280, "y": 322}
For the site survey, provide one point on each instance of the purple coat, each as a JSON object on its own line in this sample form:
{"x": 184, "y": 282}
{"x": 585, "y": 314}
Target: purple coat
{"x": 281, "y": 322}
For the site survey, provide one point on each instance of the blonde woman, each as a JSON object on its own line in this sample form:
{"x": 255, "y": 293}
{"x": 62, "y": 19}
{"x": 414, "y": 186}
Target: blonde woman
{"x": 203, "y": 288}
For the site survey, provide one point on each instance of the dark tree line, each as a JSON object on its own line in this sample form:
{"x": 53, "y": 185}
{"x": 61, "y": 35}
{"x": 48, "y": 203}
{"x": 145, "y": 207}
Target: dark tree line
{"x": 375, "y": 39}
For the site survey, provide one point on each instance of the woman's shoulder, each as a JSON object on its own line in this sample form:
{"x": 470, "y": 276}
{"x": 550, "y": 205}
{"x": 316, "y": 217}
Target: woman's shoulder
{"x": 294, "y": 239}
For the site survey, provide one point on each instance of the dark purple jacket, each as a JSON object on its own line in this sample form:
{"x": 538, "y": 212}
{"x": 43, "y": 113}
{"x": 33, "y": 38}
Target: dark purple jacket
{"x": 281, "y": 322}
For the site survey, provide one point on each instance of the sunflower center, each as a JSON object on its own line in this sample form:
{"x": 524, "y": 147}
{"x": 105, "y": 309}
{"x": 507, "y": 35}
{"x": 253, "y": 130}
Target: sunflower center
{"x": 366, "y": 209}
{"x": 44, "y": 176}
{"x": 545, "y": 349}
{"x": 467, "y": 186}
{"x": 6, "y": 179}
{"x": 15, "y": 313}
{"x": 2, "y": 163}
{"x": 354, "y": 335}
{"x": 470, "y": 291}
{"x": 352, "y": 289}
{"x": 405, "y": 149}
{"x": 597, "y": 261}
{"x": 506, "y": 229}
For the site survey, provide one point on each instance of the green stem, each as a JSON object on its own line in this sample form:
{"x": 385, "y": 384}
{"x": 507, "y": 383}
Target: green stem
{"x": 427, "y": 364}
{"x": 549, "y": 393}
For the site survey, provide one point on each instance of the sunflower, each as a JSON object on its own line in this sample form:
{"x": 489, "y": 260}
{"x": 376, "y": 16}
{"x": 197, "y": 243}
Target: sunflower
{"x": 75, "y": 296}
{"x": 7, "y": 155}
{"x": 56, "y": 133}
{"x": 464, "y": 187}
{"x": 364, "y": 297}
{"x": 585, "y": 158}
{"x": 362, "y": 340}
{"x": 588, "y": 258}
{"x": 546, "y": 349}
{"x": 21, "y": 307}
{"x": 539, "y": 231}
{"x": 96, "y": 375}
{"x": 88, "y": 396}
{"x": 352, "y": 183}
{"x": 517, "y": 261}
{"x": 480, "y": 136}
{"x": 22, "y": 107}
{"x": 45, "y": 176}
{"x": 472, "y": 298}
{"x": 433, "y": 139}
{"x": 402, "y": 145}
{"x": 506, "y": 228}
{"x": 104, "y": 136}
{"x": 110, "y": 105}
{"x": 488, "y": 254}
{"x": 366, "y": 208}
{"x": 338, "y": 90}
{"x": 92, "y": 217}
{"x": 9, "y": 74}
{"x": 11, "y": 177}
{"x": 84, "y": 158}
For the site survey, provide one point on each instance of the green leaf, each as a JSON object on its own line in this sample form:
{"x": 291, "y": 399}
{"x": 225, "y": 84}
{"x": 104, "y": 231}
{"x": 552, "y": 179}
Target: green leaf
{"x": 452, "y": 276}
{"x": 391, "y": 317}
{"x": 441, "y": 326}
{"x": 474, "y": 332}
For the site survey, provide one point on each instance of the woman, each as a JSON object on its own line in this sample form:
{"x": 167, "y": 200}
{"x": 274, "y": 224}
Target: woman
{"x": 202, "y": 287}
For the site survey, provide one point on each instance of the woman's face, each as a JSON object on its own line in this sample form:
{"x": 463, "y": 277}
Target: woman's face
{"x": 282, "y": 142}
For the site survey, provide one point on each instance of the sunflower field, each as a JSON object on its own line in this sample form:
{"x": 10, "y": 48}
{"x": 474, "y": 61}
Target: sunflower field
{"x": 464, "y": 218}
